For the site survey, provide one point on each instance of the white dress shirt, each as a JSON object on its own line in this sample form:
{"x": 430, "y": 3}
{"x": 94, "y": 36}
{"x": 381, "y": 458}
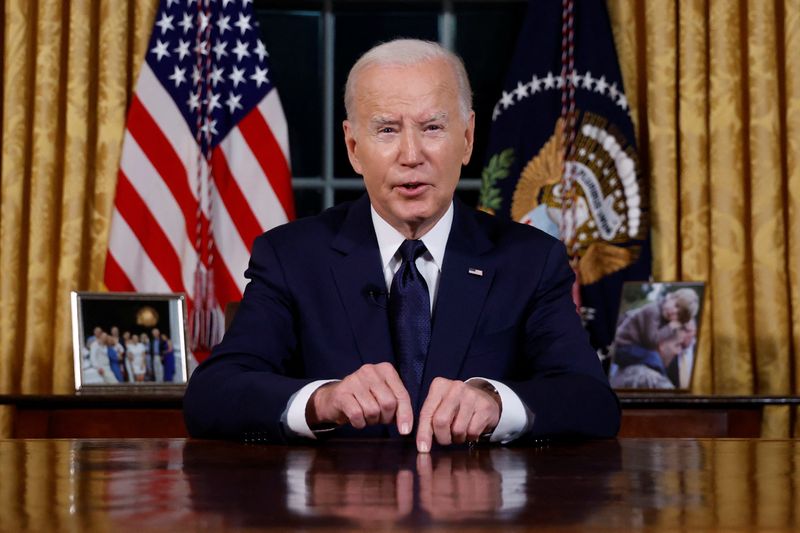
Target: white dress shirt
{"x": 514, "y": 417}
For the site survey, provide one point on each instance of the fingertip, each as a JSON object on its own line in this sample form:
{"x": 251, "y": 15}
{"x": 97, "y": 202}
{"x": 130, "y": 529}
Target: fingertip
{"x": 424, "y": 466}
{"x": 423, "y": 446}
{"x": 405, "y": 417}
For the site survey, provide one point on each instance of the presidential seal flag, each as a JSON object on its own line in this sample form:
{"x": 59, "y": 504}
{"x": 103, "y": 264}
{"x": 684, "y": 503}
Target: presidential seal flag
{"x": 562, "y": 154}
{"x": 205, "y": 162}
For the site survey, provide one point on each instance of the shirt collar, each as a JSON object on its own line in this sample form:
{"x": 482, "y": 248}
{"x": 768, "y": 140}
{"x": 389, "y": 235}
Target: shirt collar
{"x": 389, "y": 239}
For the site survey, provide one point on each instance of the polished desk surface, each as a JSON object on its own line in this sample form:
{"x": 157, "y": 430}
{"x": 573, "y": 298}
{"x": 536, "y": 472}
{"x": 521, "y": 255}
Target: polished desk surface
{"x": 177, "y": 485}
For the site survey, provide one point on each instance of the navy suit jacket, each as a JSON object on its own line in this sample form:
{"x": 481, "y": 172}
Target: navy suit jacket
{"x": 315, "y": 308}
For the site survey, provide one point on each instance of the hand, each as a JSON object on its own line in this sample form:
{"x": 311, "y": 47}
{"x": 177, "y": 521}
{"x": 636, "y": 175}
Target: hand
{"x": 373, "y": 498}
{"x": 373, "y": 394}
{"x": 455, "y": 412}
{"x": 460, "y": 487}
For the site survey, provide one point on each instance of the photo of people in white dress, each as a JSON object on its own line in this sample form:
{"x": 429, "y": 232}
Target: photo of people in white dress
{"x": 129, "y": 340}
{"x": 656, "y": 337}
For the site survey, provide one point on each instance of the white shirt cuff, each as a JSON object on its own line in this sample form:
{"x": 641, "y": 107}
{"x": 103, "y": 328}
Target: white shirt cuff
{"x": 294, "y": 417}
{"x": 515, "y": 417}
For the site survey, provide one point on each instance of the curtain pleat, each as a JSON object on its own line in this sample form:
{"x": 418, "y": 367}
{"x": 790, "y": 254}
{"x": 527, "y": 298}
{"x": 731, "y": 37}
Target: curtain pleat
{"x": 767, "y": 214}
{"x": 73, "y": 238}
{"x": 47, "y": 143}
{"x": 730, "y": 298}
{"x": 661, "y": 81}
{"x": 693, "y": 145}
{"x": 17, "y": 79}
{"x": 790, "y": 16}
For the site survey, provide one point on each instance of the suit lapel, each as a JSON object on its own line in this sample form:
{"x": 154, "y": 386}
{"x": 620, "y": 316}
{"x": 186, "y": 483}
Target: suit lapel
{"x": 464, "y": 285}
{"x": 362, "y": 288}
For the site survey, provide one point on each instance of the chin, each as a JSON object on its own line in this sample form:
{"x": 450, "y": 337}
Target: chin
{"x": 412, "y": 210}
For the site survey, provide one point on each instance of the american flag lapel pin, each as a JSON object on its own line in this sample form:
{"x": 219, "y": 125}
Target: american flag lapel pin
{"x": 476, "y": 272}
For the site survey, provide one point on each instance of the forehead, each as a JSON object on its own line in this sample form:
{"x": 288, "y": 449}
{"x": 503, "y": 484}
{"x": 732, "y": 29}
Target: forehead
{"x": 428, "y": 86}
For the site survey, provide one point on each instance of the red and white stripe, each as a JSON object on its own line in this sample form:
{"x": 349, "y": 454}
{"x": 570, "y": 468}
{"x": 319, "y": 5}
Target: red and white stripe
{"x": 154, "y": 226}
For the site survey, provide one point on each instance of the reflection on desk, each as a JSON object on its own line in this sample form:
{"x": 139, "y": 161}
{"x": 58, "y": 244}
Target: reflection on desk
{"x": 109, "y": 485}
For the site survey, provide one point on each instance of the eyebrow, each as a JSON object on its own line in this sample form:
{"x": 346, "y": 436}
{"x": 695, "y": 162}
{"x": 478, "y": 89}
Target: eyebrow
{"x": 436, "y": 117}
{"x": 384, "y": 120}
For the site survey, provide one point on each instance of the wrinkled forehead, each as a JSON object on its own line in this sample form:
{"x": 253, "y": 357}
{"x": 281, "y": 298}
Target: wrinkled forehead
{"x": 382, "y": 88}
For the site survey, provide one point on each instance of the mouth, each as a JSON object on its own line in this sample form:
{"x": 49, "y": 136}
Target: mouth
{"x": 411, "y": 190}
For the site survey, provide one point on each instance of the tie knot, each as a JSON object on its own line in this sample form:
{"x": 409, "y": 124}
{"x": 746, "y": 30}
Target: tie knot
{"x": 411, "y": 250}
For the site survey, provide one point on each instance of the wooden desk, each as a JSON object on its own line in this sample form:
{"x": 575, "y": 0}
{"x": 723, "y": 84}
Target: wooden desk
{"x": 180, "y": 485}
{"x": 113, "y": 416}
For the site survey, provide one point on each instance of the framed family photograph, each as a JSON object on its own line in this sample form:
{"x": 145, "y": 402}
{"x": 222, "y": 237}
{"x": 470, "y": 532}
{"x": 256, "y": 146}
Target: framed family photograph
{"x": 656, "y": 336}
{"x": 129, "y": 342}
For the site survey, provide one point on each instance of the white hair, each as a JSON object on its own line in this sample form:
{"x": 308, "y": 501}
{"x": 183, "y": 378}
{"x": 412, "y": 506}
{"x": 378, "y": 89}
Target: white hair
{"x": 407, "y": 52}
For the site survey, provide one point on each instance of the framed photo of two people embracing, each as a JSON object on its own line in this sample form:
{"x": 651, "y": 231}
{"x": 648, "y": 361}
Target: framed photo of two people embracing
{"x": 657, "y": 334}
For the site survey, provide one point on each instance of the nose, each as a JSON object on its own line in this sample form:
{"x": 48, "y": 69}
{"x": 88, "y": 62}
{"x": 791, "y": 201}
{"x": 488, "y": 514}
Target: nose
{"x": 410, "y": 148}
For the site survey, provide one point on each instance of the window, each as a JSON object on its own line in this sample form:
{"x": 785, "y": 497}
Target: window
{"x": 312, "y": 46}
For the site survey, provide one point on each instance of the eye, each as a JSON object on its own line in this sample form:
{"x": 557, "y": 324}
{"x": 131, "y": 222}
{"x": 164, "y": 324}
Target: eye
{"x": 386, "y": 129}
{"x": 433, "y": 127}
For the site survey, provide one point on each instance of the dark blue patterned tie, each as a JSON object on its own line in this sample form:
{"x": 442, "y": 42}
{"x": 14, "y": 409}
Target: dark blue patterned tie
{"x": 410, "y": 319}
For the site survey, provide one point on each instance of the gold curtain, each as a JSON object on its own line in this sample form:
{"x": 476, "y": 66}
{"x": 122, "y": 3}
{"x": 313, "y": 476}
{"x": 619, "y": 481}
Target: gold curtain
{"x": 68, "y": 74}
{"x": 716, "y": 89}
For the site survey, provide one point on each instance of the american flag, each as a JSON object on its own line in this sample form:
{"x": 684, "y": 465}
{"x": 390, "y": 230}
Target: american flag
{"x": 204, "y": 167}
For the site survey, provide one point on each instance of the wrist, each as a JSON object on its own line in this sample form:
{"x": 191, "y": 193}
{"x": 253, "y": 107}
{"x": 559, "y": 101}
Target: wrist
{"x": 315, "y": 408}
{"x": 489, "y": 389}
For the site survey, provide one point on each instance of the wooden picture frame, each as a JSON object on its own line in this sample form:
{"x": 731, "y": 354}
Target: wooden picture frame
{"x": 657, "y": 335}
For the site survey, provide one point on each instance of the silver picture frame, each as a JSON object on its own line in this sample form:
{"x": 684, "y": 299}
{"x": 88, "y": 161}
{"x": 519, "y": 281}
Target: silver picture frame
{"x": 129, "y": 343}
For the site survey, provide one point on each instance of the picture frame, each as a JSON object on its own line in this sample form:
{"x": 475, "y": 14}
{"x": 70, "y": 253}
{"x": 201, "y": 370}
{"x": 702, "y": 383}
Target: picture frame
{"x": 658, "y": 329}
{"x": 129, "y": 343}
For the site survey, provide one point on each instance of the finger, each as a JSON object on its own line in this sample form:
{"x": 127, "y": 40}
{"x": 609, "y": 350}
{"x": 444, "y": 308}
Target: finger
{"x": 458, "y": 429}
{"x": 424, "y": 467}
{"x": 380, "y": 377}
{"x": 425, "y": 475}
{"x": 425, "y": 429}
{"x": 404, "y": 486}
{"x": 484, "y": 419}
{"x": 404, "y": 414}
{"x": 361, "y": 385}
{"x": 476, "y": 427}
{"x": 350, "y": 407}
{"x": 447, "y": 411}
{"x": 387, "y": 402}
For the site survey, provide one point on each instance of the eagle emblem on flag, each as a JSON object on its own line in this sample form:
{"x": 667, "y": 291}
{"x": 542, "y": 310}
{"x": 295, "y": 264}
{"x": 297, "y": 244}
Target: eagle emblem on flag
{"x": 562, "y": 155}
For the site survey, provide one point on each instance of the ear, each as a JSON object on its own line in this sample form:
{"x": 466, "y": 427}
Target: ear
{"x": 469, "y": 138}
{"x": 351, "y": 143}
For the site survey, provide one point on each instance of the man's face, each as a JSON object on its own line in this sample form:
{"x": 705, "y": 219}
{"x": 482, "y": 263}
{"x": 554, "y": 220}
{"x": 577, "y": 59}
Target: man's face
{"x": 408, "y": 140}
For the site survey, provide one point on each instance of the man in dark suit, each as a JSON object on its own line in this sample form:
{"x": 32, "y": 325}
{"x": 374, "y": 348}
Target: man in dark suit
{"x": 324, "y": 339}
{"x": 155, "y": 360}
